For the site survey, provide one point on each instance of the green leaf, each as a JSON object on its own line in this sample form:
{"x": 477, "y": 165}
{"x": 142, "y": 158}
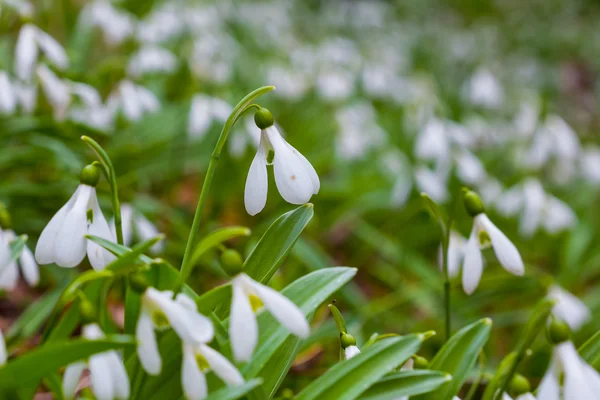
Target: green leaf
{"x": 457, "y": 357}
{"x": 406, "y": 383}
{"x": 33, "y": 317}
{"x": 234, "y": 392}
{"x": 590, "y": 350}
{"x": 215, "y": 238}
{"x": 120, "y": 250}
{"x": 349, "y": 379}
{"x": 30, "y": 368}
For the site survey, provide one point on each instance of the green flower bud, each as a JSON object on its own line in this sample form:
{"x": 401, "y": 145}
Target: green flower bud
{"x": 420, "y": 362}
{"x": 138, "y": 282}
{"x": 472, "y": 202}
{"x": 558, "y": 331}
{"x": 232, "y": 262}
{"x": 519, "y": 385}
{"x": 263, "y": 118}
{"x": 90, "y": 175}
{"x": 347, "y": 340}
{"x": 87, "y": 311}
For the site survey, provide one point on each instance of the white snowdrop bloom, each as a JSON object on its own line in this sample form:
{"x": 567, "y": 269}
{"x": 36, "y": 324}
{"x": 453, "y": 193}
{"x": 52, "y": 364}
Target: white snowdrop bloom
{"x": 432, "y": 142}
{"x": 510, "y": 202}
{"x": 160, "y": 311}
{"x": 8, "y": 97}
{"x": 485, "y": 234}
{"x": 534, "y": 199}
{"x": 397, "y": 165}
{"x": 433, "y": 183}
{"x": 350, "y": 352}
{"x": 579, "y": 380}
{"x": 134, "y": 221}
{"x": 484, "y": 89}
{"x": 151, "y": 59}
{"x": 568, "y": 307}
{"x": 3, "y": 352}
{"x": 88, "y": 94}
{"x": 107, "y": 373}
{"x": 31, "y": 40}
{"x": 334, "y": 85}
{"x": 490, "y": 190}
{"x": 134, "y": 100}
{"x": 23, "y": 7}
{"x": 63, "y": 240}
{"x": 213, "y": 57}
{"x": 249, "y": 297}
{"x": 559, "y": 216}
{"x": 161, "y": 25}
{"x": 54, "y": 51}
{"x": 9, "y": 274}
{"x": 589, "y": 164}
{"x": 116, "y": 25}
{"x": 198, "y": 360}
{"x": 526, "y": 120}
{"x": 456, "y": 252}
{"x": 566, "y": 141}
{"x": 358, "y": 132}
{"x": 56, "y": 91}
{"x": 469, "y": 168}
{"x": 290, "y": 84}
{"x": 295, "y": 177}
{"x": 26, "y": 96}
{"x": 204, "y": 111}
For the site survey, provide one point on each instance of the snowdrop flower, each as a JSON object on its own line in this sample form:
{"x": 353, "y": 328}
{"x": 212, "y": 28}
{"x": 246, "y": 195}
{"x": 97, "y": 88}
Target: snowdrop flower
{"x": 204, "y": 111}
{"x": 589, "y": 164}
{"x": 291, "y": 84}
{"x": 397, "y": 165}
{"x": 456, "y": 252}
{"x": 115, "y": 25}
{"x": 350, "y": 352}
{"x": 249, "y": 297}
{"x": 8, "y": 97}
{"x": 469, "y": 168}
{"x": 359, "y": 132}
{"x": 3, "y": 352}
{"x": 484, "y": 89}
{"x": 26, "y": 96}
{"x": 135, "y": 221}
{"x": 9, "y": 274}
{"x": 485, "y": 234}
{"x": 31, "y": 39}
{"x": 336, "y": 84}
{"x": 63, "y": 240}
{"x": 349, "y": 345}
{"x": 57, "y": 92}
{"x": 23, "y": 7}
{"x": 568, "y": 307}
{"x": 295, "y": 177}
{"x": 107, "y": 373}
{"x": 160, "y": 311}
{"x": 433, "y": 183}
{"x": 432, "y": 142}
{"x": 151, "y": 59}
{"x": 134, "y": 100}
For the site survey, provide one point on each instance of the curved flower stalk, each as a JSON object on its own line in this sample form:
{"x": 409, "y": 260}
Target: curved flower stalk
{"x": 9, "y": 274}
{"x": 568, "y": 307}
{"x": 250, "y": 297}
{"x": 107, "y": 373}
{"x": 134, "y": 222}
{"x": 485, "y": 234}
{"x": 63, "y": 240}
{"x": 295, "y": 177}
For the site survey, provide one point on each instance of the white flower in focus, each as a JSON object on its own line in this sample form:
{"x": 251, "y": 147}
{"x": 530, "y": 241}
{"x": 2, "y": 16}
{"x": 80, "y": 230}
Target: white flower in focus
{"x": 568, "y": 307}
{"x": 57, "y": 92}
{"x": 160, "y": 311}
{"x": 579, "y": 380}
{"x": 151, "y": 59}
{"x": 203, "y": 112}
{"x": 485, "y": 234}
{"x": 107, "y": 373}
{"x": 350, "y": 352}
{"x": 63, "y": 240}
{"x": 295, "y": 177}
{"x": 9, "y": 274}
{"x": 8, "y": 97}
{"x": 484, "y": 89}
{"x": 31, "y": 40}
{"x": 249, "y": 297}
{"x": 134, "y": 221}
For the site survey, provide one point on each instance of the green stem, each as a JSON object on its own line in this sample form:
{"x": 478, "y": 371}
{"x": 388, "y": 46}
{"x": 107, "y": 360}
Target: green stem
{"x": 111, "y": 176}
{"x": 244, "y": 105}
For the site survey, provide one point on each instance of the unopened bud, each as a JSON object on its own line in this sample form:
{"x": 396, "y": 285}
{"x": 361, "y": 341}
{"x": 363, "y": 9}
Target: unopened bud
{"x": 87, "y": 311}
{"x": 558, "y": 331}
{"x": 519, "y": 385}
{"x": 347, "y": 340}
{"x": 263, "y": 118}
{"x": 90, "y": 175}
{"x": 473, "y": 203}
{"x": 232, "y": 262}
{"x": 420, "y": 362}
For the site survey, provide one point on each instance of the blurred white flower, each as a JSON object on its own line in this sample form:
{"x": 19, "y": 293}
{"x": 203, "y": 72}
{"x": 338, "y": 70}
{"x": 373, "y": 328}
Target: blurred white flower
{"x": 9, "y": 272}
{"x": 151, "y": 59}
{"x": 433, "y": 183}
{"x": 57, "y": 91}
{"x": 116, "y": 25}
{"x": 568, "y": 307}
{"x": 290, "y": 84}
{"x": 3, "y": 352}
{"x": 358, "y": 132}
{"x": 249, "y": 297}
{"x": 335, "y": 84}
{"x": 397, "y": 165}
{"x": 26, "y": 96}
{"x": 213, "y": 57}
{"x": 107, "y": 373}
{"x": 524, "y": 396}
{"x": 160, "y": 311}
{"x": 23, "y": 7}
{"x": 134, "y": 221}
{"x": 456, "y": 253}
{"x": 8, "y": 97}
{"x": 161, "y": 25}
{"x": 295, "y": 177}
{"x": 351, "y": 351}
{"x": 484, "y": 89}
{"x": 31, "y": 39}
{"x": 134, "y": 100}
{"x": 569, "y": 377}
{"x": 589, "y": 164}
{"x": 63, "y": 240}
{"x": 485, "y": 234}
{"x": 432, "y": 143}
{"x": 490, "y": 190}
{"x": 469, "y": 168}
{"x": 203, "y": 112}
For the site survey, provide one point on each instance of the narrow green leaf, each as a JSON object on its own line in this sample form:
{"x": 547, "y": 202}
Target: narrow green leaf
{"x": 215, "y": 238}
{"x": 406, "y": 383}
{"x": 590, "y": 350}
{"x": 349, "y": 379}
{"x": 457, "y": 357}
{"x": 234, "y": 392}
{"x": 33, "y": 317}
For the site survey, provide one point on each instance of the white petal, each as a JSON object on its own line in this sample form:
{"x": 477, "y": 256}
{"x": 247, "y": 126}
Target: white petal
{"x": 568, "y": 307}
{"x": 3, "y": 353}
{"x": 292, "y": 179}
{"x": 101, "y": 377}
{"x": 221, "y": 366}
{"x": 119, "y": 376}
{"x": 26, "y": 52}
{"x": 257, "y": 182}
{"x": 243, "y": 329}
{"x": 45, "y": 248}
{"x": 99, "y": 257}
{"x": 147, "y": 99}
{"x": 52, "y": 49}
{"x": 592, "y": 377}
{"x": 70, "y": 242}
{"x": 146, "y": 231}
{"x": 57, "y": 92}
{"x": 9, "y": 276}
{"x": 132, "y": 107}
{"x": 473, "y": 264}
{"x": 526, "y": 396}
{"x": 310, "y": 170}
{"x": 27, "y": 96}
{"x": 29, "y": 267}
{"x": 350, "y": 352}
{"x": 8, "y": 97}
{"x": 199, "y": 118}
{"x": 71, "y": 379}
{"x": 283, "y": 309}
{"x": 92, "y": 332}
{"x": 549, "y": 388}
{"x": 192, "y": 379}
{"x": 575, "y": 385}
{"x": 126, "y": 224}
{"x": 505, "y": 250}
{"x": 147, "y": 348}
{"x": 456, "y": 246}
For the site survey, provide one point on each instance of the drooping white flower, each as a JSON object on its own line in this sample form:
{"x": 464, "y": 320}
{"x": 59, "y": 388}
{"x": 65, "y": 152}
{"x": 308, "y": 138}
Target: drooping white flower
{"x": 31, "y": 40}
{"x": 63, "y": 240}
{"x": 568, "y": 307}
{"x": 203, "y": 112}
{"x": 295, "y": 177}
{"x": 26, "y": 95}
{"x": 160, "y": 311}
{"x": 250, "y": 297}
{"x": 134, "y": 100}
{"x": 579, "y": 380}
{"x": 589, "y": 164}
{"x": 335, "y": 84}
{"x": 23, "y": 7}
{"x": 432, "y": 142}
{"x": 107, "y": 373}
{"x": 484, "y": 89}
{"x": 3, "y": 352}
{"x": 9, "y": 274}
{"x": 151, "y": 59}
{"x": 469, "y": 168}
{"x": 134, "y": 222}
{"x": 115, "y": 24}
{"x": 350, "y": 352}
{"x": 484, "y": 234}
{"x": 8, "y": 97}
{"x": 456, "y": 252}
{"x": 433, "y": 183}
{"x": 56, "y": 90}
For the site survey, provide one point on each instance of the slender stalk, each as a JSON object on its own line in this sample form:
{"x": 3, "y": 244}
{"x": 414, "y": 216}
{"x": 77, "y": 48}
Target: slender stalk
{"x": 447, "y": 307}
{"x": 111, "y": 176}
{"x": 244, "y": 105}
